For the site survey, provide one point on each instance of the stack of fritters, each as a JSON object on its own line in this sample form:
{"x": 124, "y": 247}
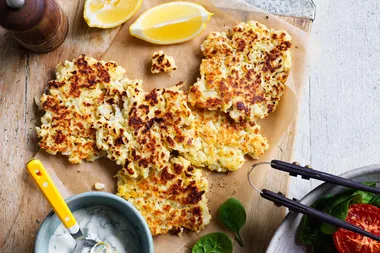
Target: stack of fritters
{"x": 158, "y": 139}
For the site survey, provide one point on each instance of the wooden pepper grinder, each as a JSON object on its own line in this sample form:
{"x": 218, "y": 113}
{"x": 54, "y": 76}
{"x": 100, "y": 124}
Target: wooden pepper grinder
{"x": 39, "y": 25}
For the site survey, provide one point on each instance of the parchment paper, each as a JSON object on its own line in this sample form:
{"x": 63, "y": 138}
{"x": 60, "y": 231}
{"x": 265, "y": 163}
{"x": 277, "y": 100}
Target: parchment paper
{"x": 134, "y": 55}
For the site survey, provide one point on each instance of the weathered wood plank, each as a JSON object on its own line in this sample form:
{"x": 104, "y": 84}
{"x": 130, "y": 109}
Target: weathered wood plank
{"x": 23, "y": 77}
{"x": 13, "y": 133}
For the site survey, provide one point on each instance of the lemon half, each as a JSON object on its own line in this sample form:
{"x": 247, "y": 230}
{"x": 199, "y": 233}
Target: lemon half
{"x": 109, "y": 13}
{"x": 170, "y": 23}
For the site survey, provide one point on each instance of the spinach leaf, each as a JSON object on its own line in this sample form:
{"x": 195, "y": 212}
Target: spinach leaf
{"x": 347, "y": 194}
{"x": 375, "y": 201}
{"x": 313, "y": 232}
{"x": 338, "y": 205}
{"x": 339, "y": 211}
{"x": 370, "y": 184}
{"x": 233, "y": 216}
{"x": 365, "y": 197}
{"x": 338, "y": 199}
{"x": 309, "y": 227}
{"x": 308, "y": 232}
{"x": 213, "y": 243}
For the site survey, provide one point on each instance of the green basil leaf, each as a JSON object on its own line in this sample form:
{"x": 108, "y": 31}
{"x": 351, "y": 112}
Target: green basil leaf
{"x": 233, "y": 216}
{"x": 213, "y": 243}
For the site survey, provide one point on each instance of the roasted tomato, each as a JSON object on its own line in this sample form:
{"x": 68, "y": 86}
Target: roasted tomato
{"x": 366, "y": 217}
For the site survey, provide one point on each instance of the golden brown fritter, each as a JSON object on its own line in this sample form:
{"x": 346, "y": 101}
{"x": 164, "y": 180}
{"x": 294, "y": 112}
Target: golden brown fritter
{"x": 150, "y": 126}
{"x": 220, "y": 144}
{"x": 244, "y": 71}
{"x": 171, "y": 199}
{"x": 71, "y": 103}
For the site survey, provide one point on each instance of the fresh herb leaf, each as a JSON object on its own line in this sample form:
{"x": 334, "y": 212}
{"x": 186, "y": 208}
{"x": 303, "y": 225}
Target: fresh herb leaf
{"x": 375, "y": 201}
{"x": 339, "y": 211}
{"x": 313, "y": 232}
{"x": 233, "y": 216}
{"x": 338, "y": 199}
{"x": 309, "y": 227}
{"x": 338, "y": 205}
{"x": 308, "y": 232}
{"x": 213, "y": 243}
{"x": 365, "y": 197}
{"x": 346, "y": 195}
{"x": 370, "y": 184}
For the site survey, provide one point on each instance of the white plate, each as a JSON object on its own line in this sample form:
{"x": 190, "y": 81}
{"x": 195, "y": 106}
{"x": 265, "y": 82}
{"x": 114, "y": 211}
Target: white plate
{"x": 285, "y": 238}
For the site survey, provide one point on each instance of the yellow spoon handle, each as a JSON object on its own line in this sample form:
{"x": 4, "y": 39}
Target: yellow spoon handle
{"x": 51, "y": 193}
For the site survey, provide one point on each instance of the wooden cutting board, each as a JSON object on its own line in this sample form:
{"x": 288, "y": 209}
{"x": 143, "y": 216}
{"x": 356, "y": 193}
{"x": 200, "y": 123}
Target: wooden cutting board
{"x": 23, "y": 77}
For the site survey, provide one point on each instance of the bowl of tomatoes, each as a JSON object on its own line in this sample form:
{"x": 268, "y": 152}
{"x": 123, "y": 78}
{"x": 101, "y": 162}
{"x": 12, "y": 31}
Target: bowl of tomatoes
{"x": 300, "y": 234}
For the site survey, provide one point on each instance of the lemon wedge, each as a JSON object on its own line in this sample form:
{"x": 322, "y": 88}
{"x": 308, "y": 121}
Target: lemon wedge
{"x": 109, "y": 13}
{"x": 170, "y": 23}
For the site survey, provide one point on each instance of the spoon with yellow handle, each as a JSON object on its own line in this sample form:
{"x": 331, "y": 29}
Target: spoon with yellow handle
{"x": 51, "y": 193}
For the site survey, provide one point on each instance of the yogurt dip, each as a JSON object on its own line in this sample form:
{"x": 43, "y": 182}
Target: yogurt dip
{"x": 102, "y": 224}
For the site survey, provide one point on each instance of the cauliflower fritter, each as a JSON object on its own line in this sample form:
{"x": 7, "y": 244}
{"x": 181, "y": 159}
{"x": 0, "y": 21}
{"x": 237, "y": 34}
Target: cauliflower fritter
{"x": 171, "y": 199}
{"x": 71, "y": 104}
{"x": 162, "y": 63}
{"x": 150, "y": 126}
{"x": 220, "y": 144}
{"x": 244, "y": 71}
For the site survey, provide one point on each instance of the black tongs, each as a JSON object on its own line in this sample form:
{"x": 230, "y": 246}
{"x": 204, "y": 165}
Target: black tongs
{"x": 294, "y": 205}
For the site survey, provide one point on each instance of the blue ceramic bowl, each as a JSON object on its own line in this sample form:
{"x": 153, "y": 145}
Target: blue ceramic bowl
{"x": 89, "y": 199}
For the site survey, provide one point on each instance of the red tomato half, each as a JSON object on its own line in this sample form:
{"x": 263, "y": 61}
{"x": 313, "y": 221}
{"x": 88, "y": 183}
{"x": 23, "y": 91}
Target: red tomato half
{"x": 366, "y": 217}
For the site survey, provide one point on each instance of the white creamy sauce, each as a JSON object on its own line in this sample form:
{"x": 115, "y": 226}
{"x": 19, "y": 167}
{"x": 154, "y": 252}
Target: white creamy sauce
{"x": 102, "y": 224}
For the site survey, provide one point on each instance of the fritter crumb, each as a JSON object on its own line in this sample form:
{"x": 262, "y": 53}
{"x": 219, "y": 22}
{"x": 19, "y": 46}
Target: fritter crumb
{"x": 162, "y": 63}
{"x": 99, "y": 186}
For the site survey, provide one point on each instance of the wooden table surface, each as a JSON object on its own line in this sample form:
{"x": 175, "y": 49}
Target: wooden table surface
{"x": 23, "y": 78}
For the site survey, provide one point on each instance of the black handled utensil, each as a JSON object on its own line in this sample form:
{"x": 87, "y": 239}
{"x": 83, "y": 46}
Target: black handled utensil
{"x": 306, "y": 172}
{"x": 297, "y": 207}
